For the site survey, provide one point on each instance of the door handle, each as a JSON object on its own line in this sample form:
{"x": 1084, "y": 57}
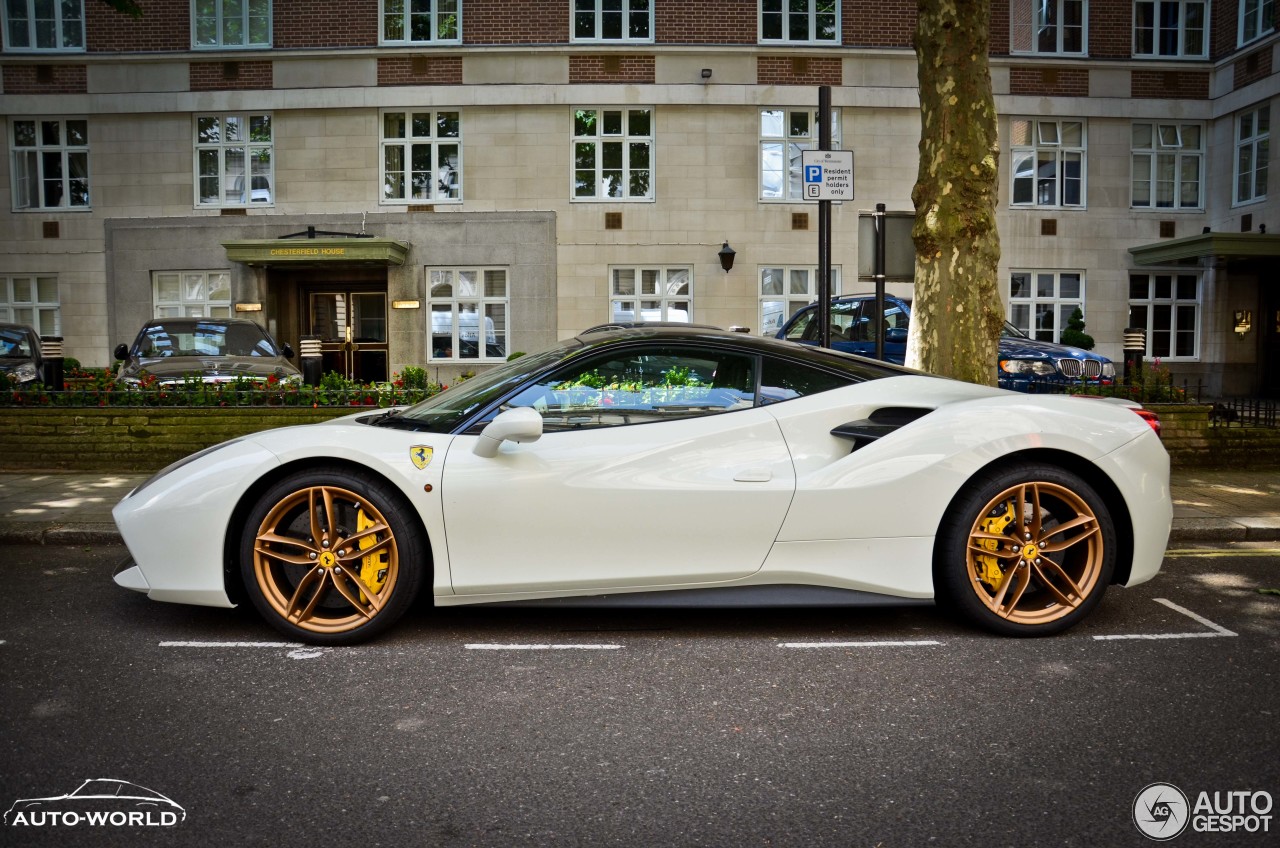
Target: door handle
{"x": 753, "y": 475}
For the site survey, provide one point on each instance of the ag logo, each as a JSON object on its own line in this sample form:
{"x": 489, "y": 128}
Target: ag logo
{"x": 1161, "y": 811}
{"x": 421, "y": 455}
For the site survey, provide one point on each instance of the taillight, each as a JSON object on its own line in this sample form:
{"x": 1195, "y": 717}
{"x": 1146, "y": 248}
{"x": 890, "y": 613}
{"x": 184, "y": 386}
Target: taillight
{"x": 1151, "y": 418}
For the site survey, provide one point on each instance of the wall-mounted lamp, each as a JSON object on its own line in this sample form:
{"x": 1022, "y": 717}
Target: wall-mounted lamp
{"x": 1243, "y": 321}
{"x": 726, "y": 255}
{"x": 406, "y": 304}
{"x": 706, "y": 73}
{"x": 248, "y": 307}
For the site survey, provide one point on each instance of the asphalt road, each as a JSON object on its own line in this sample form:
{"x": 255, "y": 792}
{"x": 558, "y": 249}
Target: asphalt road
{"x": 725, "y": 728}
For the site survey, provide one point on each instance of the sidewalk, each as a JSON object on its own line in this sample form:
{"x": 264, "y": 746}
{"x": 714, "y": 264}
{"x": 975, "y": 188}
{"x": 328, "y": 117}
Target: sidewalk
{"x": 72, "y": 509}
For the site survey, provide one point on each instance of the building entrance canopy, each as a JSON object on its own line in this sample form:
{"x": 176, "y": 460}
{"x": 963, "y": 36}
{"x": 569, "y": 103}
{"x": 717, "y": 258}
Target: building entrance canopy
{"x": 1211, "y": 246}
{"x": 361, "y": 251}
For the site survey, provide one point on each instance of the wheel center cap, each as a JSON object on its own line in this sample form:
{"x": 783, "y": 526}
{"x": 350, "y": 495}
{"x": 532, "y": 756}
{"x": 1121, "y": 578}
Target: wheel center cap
{"x": 328, "y": 560}
{"x": 1030, "y": 551}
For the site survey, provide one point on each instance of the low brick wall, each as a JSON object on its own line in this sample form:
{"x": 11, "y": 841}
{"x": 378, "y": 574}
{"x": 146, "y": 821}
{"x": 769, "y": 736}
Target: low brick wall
{"x": 1193, "y": 442}
{"x": 145, "y": 440}
{"x": 133, "y": 440}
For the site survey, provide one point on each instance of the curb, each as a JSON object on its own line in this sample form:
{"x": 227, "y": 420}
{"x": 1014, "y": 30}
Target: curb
{"x": 98, "y": 533}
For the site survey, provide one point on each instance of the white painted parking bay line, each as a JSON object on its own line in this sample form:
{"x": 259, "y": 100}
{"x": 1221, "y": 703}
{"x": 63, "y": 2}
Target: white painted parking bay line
{"x": 857, "y": 644}
{"x": 231, "y": 645}
{"x": 1217, "y": 629}
{"x": 522, "y": 647}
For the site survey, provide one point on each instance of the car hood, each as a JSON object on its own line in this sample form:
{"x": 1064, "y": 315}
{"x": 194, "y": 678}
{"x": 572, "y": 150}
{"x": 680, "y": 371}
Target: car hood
{"x": 1015, "y": 348}
{"x": 215, "y": 368}
{"x": 13, "y": 363}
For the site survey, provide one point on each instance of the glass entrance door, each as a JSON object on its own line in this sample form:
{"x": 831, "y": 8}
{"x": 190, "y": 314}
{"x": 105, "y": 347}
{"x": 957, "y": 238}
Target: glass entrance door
{"x": 352, "y": 326}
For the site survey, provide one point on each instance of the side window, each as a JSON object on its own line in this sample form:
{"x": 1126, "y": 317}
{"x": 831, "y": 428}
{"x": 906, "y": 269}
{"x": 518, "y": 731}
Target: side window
{"x": 801, "y": 328}
{"x": 781, "y": 380}
{"x": 641, "y": 386}
{"x": 847, "y": 322}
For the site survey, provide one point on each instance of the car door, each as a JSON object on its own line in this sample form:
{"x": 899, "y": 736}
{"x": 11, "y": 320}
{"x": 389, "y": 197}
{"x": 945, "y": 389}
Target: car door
{"x": 655, "y": 468}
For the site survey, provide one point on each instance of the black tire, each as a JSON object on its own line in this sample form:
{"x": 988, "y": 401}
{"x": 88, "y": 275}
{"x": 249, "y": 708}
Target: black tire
{"x": 1011, "y": 570}
{"x": 350, "y": 584}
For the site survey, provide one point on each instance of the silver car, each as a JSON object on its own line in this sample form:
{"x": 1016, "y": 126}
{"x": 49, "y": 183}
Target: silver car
{"x": 213, "y": 350}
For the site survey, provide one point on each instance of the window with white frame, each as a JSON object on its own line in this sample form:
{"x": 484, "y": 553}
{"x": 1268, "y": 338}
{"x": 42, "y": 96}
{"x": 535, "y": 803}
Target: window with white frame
{"x": 799, "y": 22}
{"x": 470, "y": 311}
{"x": 1048, "y": 26}
{"x": 421, "y": 21}
{"x": 1048, "y": 162}
{"x": 786, "y": 289}
{"x": 234, "y": 160}
{"x": 191, "y": 294}
{"x": 231, "y": 23}
{"x": 1167, "y": 305}
{"x": 650, "y": 293}
{"x": 1257, "y": 18}
{"x": 1173, "y": 29}
{"x": 613, "y": 154}
{"x": 44, "y": 26}
{"x": 1041, "y": 302}
{"x": 50, "y": 163}
{"x": 784, "y": 136}
{"x": 1168, "y": 160}
{"x": 613, "y": 20}
{"x": 1253, "y": 149}
{"x": 31, "y": 300}
{"x": 421, "y": 156}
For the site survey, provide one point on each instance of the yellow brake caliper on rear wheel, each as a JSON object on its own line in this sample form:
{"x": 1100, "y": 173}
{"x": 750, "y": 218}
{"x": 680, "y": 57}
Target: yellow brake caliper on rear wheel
{"x": 373, "y": 568}
{"x": 988, "y": 567}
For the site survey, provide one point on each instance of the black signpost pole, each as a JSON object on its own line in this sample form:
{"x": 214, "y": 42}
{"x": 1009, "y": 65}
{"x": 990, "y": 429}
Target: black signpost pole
{"x": 878, "y": 325}
{"x": 824, "y": 224}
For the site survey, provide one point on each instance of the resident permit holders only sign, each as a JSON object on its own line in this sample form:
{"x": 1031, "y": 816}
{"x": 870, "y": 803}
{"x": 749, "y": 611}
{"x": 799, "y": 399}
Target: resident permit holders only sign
{"x": 828, "y": 174}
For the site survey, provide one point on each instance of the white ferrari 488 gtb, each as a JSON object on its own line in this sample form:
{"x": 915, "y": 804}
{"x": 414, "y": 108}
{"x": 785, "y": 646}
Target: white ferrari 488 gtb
{"x": 665, "y": 466}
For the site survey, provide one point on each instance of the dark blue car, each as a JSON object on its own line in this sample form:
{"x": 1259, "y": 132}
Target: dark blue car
{"x": 1026, "y": 364}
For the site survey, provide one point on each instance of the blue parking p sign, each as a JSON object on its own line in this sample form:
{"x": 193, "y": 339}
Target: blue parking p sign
{"x": 813, "y": 173}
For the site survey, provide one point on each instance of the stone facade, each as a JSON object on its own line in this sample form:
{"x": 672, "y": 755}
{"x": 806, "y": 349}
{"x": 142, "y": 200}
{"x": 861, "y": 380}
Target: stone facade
{"x": 516, "y": 78}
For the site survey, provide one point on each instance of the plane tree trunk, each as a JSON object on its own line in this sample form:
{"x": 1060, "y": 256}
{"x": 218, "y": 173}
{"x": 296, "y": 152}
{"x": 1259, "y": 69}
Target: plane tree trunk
{"x": 956, "y": 315}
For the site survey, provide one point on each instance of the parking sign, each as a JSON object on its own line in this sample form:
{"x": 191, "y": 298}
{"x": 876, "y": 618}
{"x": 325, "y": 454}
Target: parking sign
{"x": 828, "y": 174}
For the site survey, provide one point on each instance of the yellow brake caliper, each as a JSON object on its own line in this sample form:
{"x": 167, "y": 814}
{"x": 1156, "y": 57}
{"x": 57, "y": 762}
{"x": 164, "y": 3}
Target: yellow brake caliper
{"x": 988, "y": 567}
{"x": 373, "y": 568}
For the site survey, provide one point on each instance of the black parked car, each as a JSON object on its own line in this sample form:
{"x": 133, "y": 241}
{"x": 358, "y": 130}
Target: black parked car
{"x": 21, "y": 361}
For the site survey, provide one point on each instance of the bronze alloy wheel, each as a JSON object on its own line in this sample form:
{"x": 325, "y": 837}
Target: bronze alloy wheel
{"x": 1035, "y": 553}
{"x": 325, "y": 559}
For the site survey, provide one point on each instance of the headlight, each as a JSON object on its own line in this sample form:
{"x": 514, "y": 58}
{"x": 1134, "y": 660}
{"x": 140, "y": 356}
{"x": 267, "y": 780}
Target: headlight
{"x": 1039, "y": 367}
{"x": 1108, "y": 369}
{"x": 25, "y": 373}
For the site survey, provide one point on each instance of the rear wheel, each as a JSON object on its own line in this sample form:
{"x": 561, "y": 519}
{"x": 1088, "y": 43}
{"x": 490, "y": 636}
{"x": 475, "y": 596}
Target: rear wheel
{"x": 1025, "y": 551}
{"x": 331, "y": 556}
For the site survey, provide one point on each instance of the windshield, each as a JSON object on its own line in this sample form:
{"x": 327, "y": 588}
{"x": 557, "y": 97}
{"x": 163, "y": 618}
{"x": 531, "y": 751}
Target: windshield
{"x": 442, "y": 413}
{"x": 204, "y": 338}
{"x": 1011, "y": 332}
{"x": 16, "y": 343}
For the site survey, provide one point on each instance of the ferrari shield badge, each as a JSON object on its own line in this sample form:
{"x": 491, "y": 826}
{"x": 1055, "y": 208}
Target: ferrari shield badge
{"x": 421, "y": 455}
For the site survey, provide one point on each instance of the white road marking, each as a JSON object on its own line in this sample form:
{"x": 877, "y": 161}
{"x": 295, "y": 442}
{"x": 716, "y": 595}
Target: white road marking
{"x": 231, "y": 645}
{"x": 521, "y": 647}
{"x": 1218, "y": 630}
{"x": 856, "y": 644}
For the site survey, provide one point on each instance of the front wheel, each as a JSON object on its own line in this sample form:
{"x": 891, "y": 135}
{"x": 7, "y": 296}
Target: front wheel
{"x": 1025, "y": 551}
{"x": 331, "y": 556}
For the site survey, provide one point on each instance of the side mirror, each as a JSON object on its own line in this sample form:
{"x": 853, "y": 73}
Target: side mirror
{"x": 896, "y": 335}
{"x": 287, "y": 350}
{"x": 520, "y": 424}
{"x": 121, "y": 351}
